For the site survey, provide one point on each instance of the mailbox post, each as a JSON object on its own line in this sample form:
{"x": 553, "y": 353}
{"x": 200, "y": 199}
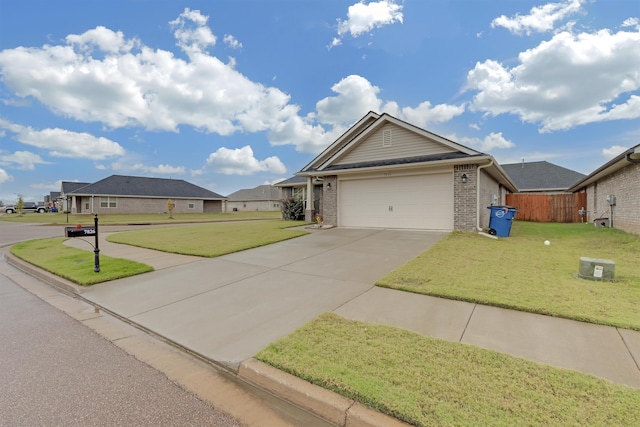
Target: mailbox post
{"x": 96, "y": 251}
{"x": 80, "y": 231}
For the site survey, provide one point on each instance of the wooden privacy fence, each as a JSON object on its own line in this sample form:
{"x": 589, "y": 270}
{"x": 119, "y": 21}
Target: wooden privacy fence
{"x": 548, "y": 207}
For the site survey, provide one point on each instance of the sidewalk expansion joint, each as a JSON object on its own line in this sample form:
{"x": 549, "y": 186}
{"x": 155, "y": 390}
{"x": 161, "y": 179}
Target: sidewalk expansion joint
{"x": 464, "y": 331}
{"x": 637, "y": 362}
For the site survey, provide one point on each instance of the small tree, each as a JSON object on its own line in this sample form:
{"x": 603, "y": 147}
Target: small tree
{"x": 170, "y": 206}
{"x": 292, "y": 209}
{"x": 20, "y": 205}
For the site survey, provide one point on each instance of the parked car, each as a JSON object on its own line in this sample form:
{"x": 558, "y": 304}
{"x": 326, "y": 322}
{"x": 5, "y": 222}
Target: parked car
{"x": 28, "y": 207}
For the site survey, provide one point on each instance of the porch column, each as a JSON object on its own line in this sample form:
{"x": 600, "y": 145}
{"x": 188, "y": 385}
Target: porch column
{"x": 308, "y": 208}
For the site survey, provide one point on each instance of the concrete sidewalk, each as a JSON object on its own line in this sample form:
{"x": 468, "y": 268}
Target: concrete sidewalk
{"x": 228, "y": 308}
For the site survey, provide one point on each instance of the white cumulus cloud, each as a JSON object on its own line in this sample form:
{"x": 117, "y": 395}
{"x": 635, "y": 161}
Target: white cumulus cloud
{"x": 231, "y": 41}
{"x": 356, "y": 96}
{"x": 363, "y": 17}
{"x": 613, "y": 151}
{"x": 4, "y": 176}
{"x": 241, "y": 161}
{"x": 540, "y": 18}
{"x": 22, "y": 160}
{"x": 63, "y": 143}
{"x": 488, "y": 143}
{"x": 565, "y": 82}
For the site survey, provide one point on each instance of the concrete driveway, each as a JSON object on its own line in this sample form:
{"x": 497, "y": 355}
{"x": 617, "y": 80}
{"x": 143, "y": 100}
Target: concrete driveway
{"x": 229, "y": 308}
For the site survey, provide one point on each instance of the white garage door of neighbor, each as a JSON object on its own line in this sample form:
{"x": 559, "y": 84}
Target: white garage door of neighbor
{"x": 419, "y": 201}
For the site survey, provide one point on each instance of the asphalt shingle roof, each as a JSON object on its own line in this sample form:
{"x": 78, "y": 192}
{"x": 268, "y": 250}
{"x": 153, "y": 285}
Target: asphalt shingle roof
{"x": 541, "y": 176}
{"x": 261, "y": 192}
{"x": 134, "y": 186}
{"x": 292, "y": 181}
{"x": 69, "y": 186}
{"x": 402, "y": 161}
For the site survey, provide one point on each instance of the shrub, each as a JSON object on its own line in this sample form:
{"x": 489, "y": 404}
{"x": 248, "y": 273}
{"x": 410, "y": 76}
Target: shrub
{"x": 292, "y": 209}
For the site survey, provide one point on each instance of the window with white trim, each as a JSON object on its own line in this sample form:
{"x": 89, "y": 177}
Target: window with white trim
{"x": 108, "y": 202}
{"x": 191, "y": 204}
{"x": 299, "y": 193}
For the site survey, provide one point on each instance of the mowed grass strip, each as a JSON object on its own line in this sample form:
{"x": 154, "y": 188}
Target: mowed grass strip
{"x": 430, "y": 382}
{"x": 211, "y": 240}
{"x": 56, "y": 218}
{"x": 521, "y": 273}
{"x": 74, "y": 264}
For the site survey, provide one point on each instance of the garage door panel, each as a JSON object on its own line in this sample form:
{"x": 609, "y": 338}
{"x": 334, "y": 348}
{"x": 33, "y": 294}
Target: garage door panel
{"x": 421, "y": 201}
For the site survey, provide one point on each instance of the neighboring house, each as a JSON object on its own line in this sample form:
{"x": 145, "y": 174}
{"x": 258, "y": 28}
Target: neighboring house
{"x": 260, "y": 198}
{"x": 132, "y": 194}
{"x": 543, "y": 195}
{"x": 613, "y": 191}
{"x": 541, "y": 177}
{"x": 384, "y": 172}
{"x": 52, "y": 201}
{"x": 66, "y": 187}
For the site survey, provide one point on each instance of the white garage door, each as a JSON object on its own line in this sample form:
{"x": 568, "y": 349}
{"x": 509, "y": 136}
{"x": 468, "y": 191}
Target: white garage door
{"x": 420, "y": 201}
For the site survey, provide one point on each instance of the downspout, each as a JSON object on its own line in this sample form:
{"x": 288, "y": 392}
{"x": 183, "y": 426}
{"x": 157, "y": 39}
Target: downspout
{"x": 478, "y": 228}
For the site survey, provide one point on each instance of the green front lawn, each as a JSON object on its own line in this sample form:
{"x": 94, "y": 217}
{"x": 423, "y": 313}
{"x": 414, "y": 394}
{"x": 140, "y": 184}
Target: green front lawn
{"x": 431, "y": 382}
{"x": 521, "y": 273}
{"x": 60, "y": 218}
{"x": 74, "y": 264}
{"x": 211, "y": 240}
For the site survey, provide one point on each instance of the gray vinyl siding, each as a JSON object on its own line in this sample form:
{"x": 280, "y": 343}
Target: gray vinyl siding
{"x": 403, "y": 144}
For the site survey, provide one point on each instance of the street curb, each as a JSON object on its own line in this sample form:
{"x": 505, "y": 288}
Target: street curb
{"x": 323, "y": 403}
{"x": 326, "y": 404}
{"x": 45, "y": 276}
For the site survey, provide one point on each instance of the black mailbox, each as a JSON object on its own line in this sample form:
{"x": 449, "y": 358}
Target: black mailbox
{"x": 80, "y": 231}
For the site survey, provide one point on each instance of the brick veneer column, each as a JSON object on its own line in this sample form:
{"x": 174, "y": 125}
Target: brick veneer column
{"x": 465, "y": 203}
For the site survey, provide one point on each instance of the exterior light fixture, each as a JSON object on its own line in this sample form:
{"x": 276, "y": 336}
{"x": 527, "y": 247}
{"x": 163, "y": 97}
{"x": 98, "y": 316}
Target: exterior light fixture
{"x": 328, "y": 186}
{"x": 464, "y": 178}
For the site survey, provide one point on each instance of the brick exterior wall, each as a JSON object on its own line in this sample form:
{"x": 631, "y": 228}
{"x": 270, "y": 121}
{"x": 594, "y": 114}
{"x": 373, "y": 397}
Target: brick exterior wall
{"x": 254, "y": 205}
{"x": 464, "y": 200}
{"x": 625, "y": 185}
{"x": 134, "y": 205}
{"x": 330, "y": 200}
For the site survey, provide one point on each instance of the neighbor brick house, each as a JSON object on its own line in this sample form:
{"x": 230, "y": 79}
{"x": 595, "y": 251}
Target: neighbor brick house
{"x": 384, "y": 172}
{"x": 132, "y": 194}
{"x": 261, "y": 198}
{"x": 619, "y": 177}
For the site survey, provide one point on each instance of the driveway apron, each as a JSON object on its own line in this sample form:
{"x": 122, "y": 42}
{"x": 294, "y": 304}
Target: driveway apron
{"x": 229, "y": 308}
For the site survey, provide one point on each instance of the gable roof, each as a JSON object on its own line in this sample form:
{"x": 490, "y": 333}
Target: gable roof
{"x": 335, "y": 159}
{"x": 366, "y": 127}
{"x": 630, "y": 156}
{"x": 135, "y": 186}
{"x": 259, "y": 193}
{"x": 541, "y": 176}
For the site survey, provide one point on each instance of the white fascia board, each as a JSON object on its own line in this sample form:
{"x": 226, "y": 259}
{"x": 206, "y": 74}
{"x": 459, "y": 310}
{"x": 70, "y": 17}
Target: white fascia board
{"x": 346, "y": 135}
{"x": 385, "y": 118}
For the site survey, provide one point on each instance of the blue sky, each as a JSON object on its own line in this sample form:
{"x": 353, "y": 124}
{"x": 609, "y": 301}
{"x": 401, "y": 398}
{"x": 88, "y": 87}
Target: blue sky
{"x": 234, "y": 94}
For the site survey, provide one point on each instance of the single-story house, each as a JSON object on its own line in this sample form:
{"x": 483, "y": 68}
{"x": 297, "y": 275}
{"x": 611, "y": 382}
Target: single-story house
{"x": 384, "y": 172}
{"x": 66, "y": 187}
{"x": 541, "y": 177}
{"x": 261, "y": 198}
{"x": 132, "y": 194}
{"x": 613, "y": 191}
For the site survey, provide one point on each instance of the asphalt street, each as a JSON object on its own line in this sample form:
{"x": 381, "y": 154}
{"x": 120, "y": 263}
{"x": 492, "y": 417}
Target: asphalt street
{"x": 55, "y": 371}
